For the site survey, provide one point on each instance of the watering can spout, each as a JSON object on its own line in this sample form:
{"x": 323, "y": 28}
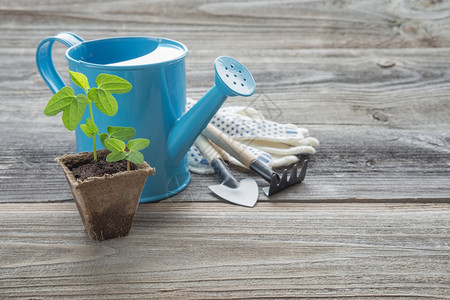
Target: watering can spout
{"x": 191, "y": 124}
{"x": 231, "y": 79}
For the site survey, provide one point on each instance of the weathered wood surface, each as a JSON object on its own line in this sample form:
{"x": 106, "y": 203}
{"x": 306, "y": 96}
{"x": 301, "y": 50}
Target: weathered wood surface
{"x": 221, "y": 26}
{"x": 206, "y": 250}
{"x": 374, "y": 124}
{"x": 369, "y": 79}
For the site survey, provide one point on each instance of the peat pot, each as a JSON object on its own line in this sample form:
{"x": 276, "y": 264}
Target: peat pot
{"x": 106, "y": 204}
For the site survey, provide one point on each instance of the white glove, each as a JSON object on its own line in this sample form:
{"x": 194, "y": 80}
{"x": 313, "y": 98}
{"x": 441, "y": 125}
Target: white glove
{"x": 273, "y": 143}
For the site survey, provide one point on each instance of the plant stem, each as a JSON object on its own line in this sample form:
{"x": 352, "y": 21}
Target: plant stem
{"x": 128, "y": 165}
{"x": 93, "y": 138}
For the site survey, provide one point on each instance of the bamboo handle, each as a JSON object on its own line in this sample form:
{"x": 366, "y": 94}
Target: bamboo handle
{"x": 208, "y": 151}
{"x": 229, "y": 145}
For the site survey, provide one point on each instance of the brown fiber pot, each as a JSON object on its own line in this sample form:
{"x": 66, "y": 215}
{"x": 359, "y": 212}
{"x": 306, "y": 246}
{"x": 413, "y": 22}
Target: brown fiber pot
{"x": 106, "y": 204}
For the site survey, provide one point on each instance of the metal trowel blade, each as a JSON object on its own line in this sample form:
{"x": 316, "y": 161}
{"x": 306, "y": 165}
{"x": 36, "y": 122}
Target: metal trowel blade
{"x": 246, "y": 194}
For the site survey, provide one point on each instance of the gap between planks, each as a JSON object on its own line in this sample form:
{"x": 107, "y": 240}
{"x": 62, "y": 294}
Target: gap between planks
{"x": 218, "y": 206}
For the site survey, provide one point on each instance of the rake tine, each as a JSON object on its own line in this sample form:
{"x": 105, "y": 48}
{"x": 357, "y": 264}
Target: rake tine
{"x": 284, "y": 178}
{"x": 276, "y": 180}
{"x": 303, "y": 170}
{"x": 293, "y": 178}
{"x": 273, "y": 184}
{"x": 278, "y": 184}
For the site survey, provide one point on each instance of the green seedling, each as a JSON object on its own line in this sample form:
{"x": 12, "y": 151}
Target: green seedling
{"x": 130, "y": 151}
{"x": 73, "y": 108}
{"x": 120, "y": 133}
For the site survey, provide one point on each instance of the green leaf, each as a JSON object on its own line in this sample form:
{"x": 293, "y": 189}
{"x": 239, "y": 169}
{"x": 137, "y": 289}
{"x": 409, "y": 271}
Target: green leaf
{"x": 87, "y": 131}
{"x": 59, "y": 101}
{"x": 121, "y": 133}
{"x": 116, "y": 156}
{"x": 135, "y": 157}
{"x": 138, "y": 144}
{"x": 114, "y": 145}
{"x": 79, "y": 79}
{"x": 104, "y": 101}
{"x": 113, "y": 84}
{"x": 92, "y": 126}
{"x": 103, "y": 137}
{"x": 93, "y": 94}
{"x": 73, "y": 113}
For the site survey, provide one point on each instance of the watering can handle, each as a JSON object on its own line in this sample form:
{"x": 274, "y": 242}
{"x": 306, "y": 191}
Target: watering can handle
{"x": 44, "y": 60}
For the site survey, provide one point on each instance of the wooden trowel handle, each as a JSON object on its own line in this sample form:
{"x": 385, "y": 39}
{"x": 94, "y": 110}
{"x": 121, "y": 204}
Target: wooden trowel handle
{"x": 206, "y": 148}
{"x": 229, "y": 145}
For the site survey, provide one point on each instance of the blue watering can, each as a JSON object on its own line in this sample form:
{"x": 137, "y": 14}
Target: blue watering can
{"x": 155, "y": 106}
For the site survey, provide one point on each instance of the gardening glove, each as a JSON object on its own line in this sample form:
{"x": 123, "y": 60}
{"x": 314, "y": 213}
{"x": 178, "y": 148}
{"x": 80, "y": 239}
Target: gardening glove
{"x": 273, "y": 143}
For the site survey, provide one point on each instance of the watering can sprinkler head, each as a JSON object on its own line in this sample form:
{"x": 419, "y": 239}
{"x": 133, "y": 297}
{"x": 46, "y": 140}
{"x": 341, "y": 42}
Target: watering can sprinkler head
{"x": 231, "y": 79}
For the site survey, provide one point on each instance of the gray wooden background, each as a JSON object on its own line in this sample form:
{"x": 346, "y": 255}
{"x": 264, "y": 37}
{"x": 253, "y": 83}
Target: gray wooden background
{"x": 369, "y": 79}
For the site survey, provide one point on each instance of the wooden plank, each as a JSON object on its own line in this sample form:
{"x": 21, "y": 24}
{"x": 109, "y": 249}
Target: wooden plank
{"x": 324, "y": 86}
{"x": 207, "y": 250}
{"x": 353, "y": 163}
{"x": 227, "y": 25}
{"x": 384, "y": 132}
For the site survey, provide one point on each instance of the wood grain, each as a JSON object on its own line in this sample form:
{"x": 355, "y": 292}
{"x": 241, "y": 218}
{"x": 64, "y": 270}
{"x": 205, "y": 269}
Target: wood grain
{"x": 384, "y": 132}
{"x": 369, "y": 79}
{"x": 196, "y": 250}
{"x": 237, "y": 25}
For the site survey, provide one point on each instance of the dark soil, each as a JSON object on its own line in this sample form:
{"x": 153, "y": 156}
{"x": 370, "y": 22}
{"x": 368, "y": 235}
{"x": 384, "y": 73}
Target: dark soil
{"x": 100, "y": 168}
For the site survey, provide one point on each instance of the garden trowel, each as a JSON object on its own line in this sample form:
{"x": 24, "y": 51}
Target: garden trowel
{"x": 243, "y": 193}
